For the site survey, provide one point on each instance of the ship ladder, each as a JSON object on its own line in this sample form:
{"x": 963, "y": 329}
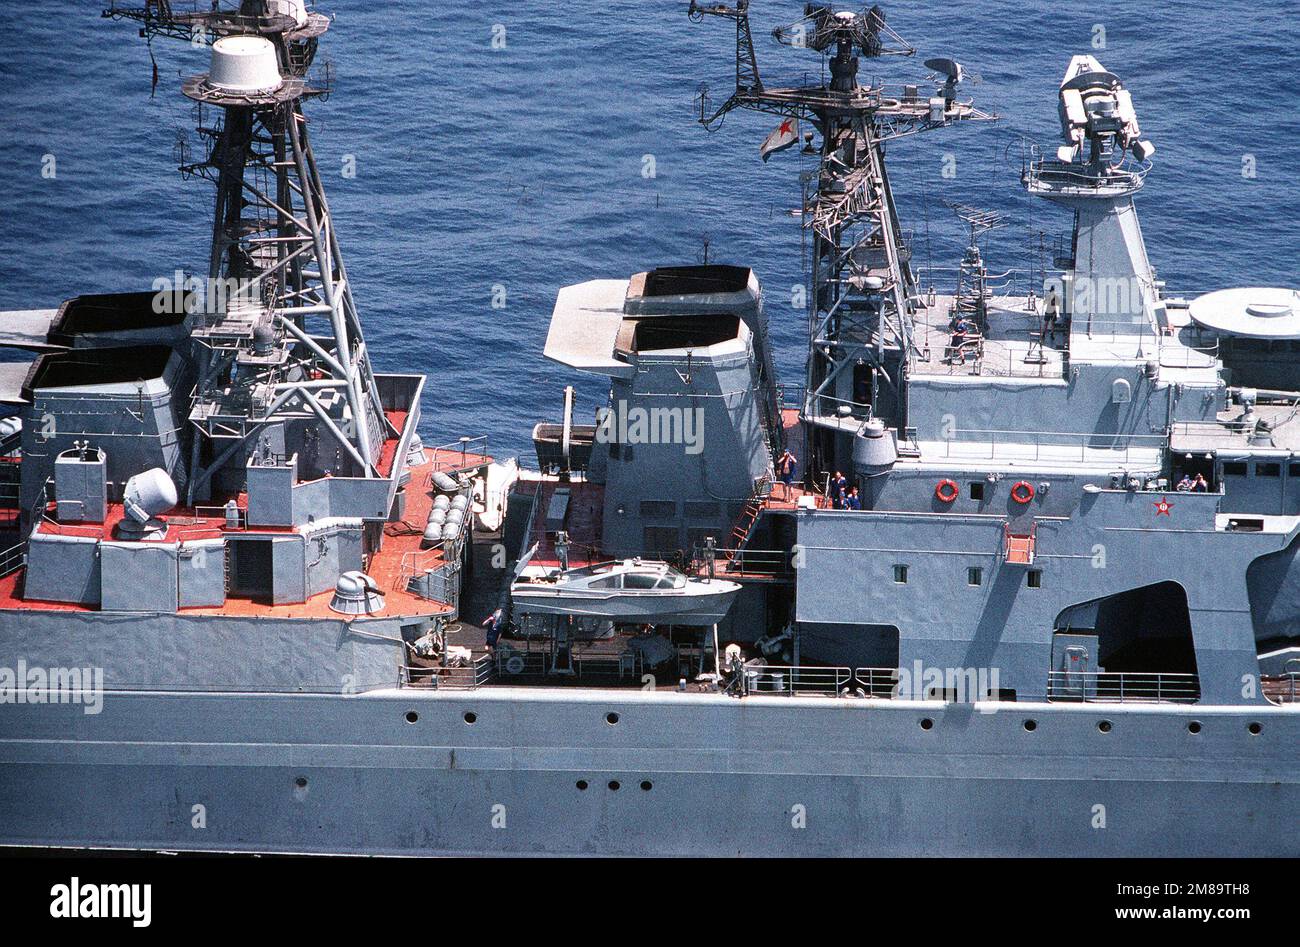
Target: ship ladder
{"x": 1020, "y": 547}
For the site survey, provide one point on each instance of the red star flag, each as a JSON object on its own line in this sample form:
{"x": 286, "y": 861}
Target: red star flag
{"x": 786, "y": 134}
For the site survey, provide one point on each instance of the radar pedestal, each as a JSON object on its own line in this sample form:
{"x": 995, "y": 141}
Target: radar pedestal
{"x": 1109, "y": 287}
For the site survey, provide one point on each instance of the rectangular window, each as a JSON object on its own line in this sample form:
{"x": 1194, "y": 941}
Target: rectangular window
{"x": 1034, "y": 579}
{"x": 974, "y": 576}
{"x": 900, "y": 575}
{"x": 977, "y": 491}
{"x": 1268, "y": 470}
{"x": 1293, "y": 470}
{"x": 1234, "y": 468}
{"x": 658, "y": 509}
{"x": 702, "y": 509}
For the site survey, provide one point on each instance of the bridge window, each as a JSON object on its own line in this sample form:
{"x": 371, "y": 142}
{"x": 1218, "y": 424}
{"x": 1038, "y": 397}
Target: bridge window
{"x": 1268, "y": 470}
{"x": 900, "y": 574}
{"x": 1034, "y": 578}
{"x": 974, "y": 576}
{"x": 1235, "y": 468}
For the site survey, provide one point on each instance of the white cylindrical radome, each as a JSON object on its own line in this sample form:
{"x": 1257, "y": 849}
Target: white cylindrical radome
{"x": 244, "y": 64}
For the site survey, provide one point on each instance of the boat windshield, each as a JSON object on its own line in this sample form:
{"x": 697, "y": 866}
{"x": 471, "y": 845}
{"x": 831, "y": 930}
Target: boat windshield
{"x": 657, "y": 580}
{"x": 641, "y": 580}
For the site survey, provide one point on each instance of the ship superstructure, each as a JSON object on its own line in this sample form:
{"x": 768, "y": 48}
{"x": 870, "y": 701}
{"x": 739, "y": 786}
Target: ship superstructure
{"x": 1006, "y": 574}
{"x": 216, "y": 460}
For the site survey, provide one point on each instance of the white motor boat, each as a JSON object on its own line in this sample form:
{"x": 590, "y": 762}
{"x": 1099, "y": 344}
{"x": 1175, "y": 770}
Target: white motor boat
{"x": 630, "y": 590}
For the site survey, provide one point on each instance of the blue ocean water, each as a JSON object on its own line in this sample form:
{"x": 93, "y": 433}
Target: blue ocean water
{"x": 524, "y": 166}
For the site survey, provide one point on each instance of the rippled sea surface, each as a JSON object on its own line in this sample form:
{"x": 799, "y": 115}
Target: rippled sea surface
{"x": 526, "y": 167}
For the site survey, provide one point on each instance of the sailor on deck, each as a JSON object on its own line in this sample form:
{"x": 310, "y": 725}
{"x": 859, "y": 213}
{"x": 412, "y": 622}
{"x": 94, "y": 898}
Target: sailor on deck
{"x": 964, "y": 333}
{"x": 1051, "y": 314}
{"x": 786, "y": 467}
{"x": 839, "y": 487}
{"x": 495, "y": 624}
{"x": 853, "y": 501}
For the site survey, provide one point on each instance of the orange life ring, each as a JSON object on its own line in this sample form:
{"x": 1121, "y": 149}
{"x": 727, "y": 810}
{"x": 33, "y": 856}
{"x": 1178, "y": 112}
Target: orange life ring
{"x": 1022, "y": 491}
{"x": 946, "y": 491}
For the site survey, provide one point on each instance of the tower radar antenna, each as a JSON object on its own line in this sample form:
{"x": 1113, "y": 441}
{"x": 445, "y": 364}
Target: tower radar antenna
{"x": 862, "y": 287}
{"x": 977, "y": 220}
{"x": 280, "y": 344}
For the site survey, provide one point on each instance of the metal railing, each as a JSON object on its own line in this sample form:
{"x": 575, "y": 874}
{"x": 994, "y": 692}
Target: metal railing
{"x": 1282, "y": 688}
{"x": 774, "y": 562}
{"x": 1012, "y": 443}
{"x": 1040, "y": 171}
{"x": 515, "y": 663}
{"x": 877, "y": 682}
{"x": 1123, "y": 686}
{"x": 881, "y": 682}
{"x": 221, "y": 513}
{"x": 480, "y": 670}
{"x": 13, "y": 559}
{"x": 438, "y": 582}
{"x": 795, "y": 680}
{"x": 466, "y": 447}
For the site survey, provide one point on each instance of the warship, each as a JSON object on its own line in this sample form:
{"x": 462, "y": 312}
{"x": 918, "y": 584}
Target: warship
{"x": 1003, "y": 573}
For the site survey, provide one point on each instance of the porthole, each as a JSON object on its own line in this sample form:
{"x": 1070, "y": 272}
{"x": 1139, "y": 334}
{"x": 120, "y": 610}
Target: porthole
{"x": 614, "y": 785}
{"x": 301, "y": 782}
{"x": 581, "y": 784}
{"x": 1031, "y": 726}
{"x": 646, "y": 785}
{"x": 1194, "y": 727}
{"x": 926, "y": 723}
{"x": 611, "y": 718}
{"x": 470, "y": 716}
{"x": 1255, "y": 729}
{"x": 1103, "y": 726}
{"x": 412, "y": 716}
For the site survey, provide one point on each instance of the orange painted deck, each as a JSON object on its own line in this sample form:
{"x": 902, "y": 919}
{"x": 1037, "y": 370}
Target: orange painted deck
{"x": 584, "y": 521}
{"x": 399, "y": 557}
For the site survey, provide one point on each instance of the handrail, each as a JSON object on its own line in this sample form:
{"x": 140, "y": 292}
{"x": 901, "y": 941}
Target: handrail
{"x": 480, "y": 670}
{"x": 13, "y": 559}
{"x": 1130, "y": 173}
{"x": 461, "y": 446}
{"x": 877, "y": 682}
{"x": 790, "y": 680}
{"x": 1123, "y": 686}
{"x": 1039, "y": 440}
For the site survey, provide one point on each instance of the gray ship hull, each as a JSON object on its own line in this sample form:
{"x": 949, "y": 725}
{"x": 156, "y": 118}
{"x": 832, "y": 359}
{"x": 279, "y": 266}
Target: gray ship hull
{"x": 404, "y": 772}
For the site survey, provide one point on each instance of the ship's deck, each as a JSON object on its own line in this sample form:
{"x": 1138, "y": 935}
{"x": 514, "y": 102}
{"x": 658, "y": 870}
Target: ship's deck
{"x": 1228, "y": 433}
{"x": 399, "y": 558}
{"x": 1011, "y": 347}
{"x": 583, "y": 520}
{"x": 1015, "y": 345}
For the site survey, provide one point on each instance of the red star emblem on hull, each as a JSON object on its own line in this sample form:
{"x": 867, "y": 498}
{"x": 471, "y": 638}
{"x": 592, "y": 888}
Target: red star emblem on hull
{"x": 1163, "y": 507}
